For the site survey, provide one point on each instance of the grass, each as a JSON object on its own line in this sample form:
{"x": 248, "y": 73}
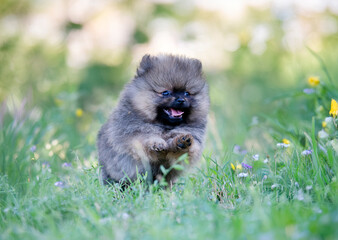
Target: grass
{"x": 51, "y": 110}
{"x": 49, "y": 187}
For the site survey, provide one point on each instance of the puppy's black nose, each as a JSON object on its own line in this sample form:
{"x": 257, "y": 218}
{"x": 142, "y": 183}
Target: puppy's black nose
{"x": 180, "y": 100}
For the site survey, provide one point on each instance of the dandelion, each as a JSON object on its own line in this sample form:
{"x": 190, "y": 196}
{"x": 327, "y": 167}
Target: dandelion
{"x": 334, "y": 108}
{"x": 79, "y": 112}
{"x": 33, "y": 148}
{"x": 233, "y": 166}
{"x": 306, "y": 152}
{"x": 247, "y": 166}
{"x": 313, "y": 81}
{"x": 255, "y": 157}
{"x": 308, "y": 90}
{"x": 66, "y": 165}
{"x": 239, "y": 167}
{"x": 242, "y": 175}
{"x": 60, "y": 184}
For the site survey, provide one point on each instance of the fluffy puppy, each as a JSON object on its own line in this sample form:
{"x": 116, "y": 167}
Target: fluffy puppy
{"x": 161, "y": 115}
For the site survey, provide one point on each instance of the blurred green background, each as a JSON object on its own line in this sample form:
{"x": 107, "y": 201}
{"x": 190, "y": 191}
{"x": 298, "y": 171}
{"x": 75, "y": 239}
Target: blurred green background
{"x": 77, "y": 55}
{"x": 63, "y": 64}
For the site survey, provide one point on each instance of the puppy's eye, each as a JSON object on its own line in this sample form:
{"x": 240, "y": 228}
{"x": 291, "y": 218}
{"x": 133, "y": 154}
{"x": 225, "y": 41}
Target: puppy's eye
{"x": 166, "y": 93}
{"x": 186, "y": 94}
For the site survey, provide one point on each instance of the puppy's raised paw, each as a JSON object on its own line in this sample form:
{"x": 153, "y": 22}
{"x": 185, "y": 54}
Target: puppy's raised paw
{"x": 157, "y": 145}
{"x": 183, "y": 141}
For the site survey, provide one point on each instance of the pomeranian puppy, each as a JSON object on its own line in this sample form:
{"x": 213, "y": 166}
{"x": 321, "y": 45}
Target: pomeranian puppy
{"x": 161, "y": 115}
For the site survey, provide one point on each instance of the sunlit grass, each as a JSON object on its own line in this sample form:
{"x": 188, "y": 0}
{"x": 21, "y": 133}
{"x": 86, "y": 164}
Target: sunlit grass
{"x": 49, "y": 185}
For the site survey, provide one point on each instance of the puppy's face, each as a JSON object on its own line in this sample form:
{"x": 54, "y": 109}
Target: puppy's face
{"x": 173, "y": 106}
{"x": 170, "y": 90}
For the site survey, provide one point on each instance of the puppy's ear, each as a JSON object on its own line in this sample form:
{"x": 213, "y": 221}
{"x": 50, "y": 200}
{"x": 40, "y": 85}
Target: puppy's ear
{"x": 197, "y": 65}
{"x": 145, "y": 65}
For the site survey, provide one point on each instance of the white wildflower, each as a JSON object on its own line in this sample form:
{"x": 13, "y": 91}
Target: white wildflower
{"x": 300, "y": 195}
{"x": 255, "y": 157}
{"x": 322, "y": 134}
{"x": 283, "y": 145}
{"x": 242, "y": 175}
{"x": 328, "y": 119}
{"x": 125, "y": 216}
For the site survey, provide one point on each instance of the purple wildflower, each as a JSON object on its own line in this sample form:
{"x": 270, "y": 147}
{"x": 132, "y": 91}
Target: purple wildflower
{"x": 60, "y": 184}
{"x": 308, "y": 90}
{"x": 238, "y": 150}
{"x": 307, "y": 152}
{"x": 243, "y": 152}
{"x": 33, "y": 148}
{"x": 66, "y": 165}
{"x": 247, "y": 166}
{"x": 45, "y": 164}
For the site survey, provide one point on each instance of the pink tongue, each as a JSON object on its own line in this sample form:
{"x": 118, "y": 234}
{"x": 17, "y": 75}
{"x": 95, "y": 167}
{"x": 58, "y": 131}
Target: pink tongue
{"x": 176, "y": 113}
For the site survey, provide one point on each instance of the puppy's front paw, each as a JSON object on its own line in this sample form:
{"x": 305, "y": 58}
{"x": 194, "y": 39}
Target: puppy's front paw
{"x": 157, "y": 145}
{"x": 183, "y": 141}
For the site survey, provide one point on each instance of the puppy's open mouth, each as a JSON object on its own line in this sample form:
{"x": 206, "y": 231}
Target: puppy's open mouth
{"x": 173, "y": 112}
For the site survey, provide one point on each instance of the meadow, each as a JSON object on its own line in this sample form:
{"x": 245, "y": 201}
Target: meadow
{"x": 269, "y": 169}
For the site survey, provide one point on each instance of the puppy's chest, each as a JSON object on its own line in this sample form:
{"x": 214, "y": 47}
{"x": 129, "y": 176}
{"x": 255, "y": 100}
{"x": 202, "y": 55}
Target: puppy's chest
{"x": 170, "y": 134}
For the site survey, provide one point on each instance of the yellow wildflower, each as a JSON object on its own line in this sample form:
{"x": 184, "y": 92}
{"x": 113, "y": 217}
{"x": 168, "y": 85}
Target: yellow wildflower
{"x": 233, "y": 166}
{"x": 79, "y": 112}
{"x": 239, "y": 167}
{"x": 286, "y": 141}
{"x": 313, "y": 81}
{"x": 324, "y": 124}
{"x": 334, "y": 108}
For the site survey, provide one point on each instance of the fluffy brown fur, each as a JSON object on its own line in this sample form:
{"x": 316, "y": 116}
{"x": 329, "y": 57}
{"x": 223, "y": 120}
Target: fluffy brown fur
{"x": 161, "y": 115}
